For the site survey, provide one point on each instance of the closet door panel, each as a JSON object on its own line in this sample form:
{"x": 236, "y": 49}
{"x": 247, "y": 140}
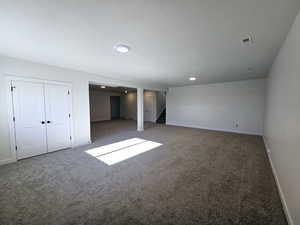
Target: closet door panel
{"x": 57, "y": 102}
{"x": 29, "y": 113}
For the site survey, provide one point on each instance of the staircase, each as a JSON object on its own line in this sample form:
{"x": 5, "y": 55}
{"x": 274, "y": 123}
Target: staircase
{"x": 162, "y": 118}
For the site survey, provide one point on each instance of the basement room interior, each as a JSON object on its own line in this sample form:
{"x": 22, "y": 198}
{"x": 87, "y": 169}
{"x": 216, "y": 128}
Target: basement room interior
{"x": 149, "y": 112}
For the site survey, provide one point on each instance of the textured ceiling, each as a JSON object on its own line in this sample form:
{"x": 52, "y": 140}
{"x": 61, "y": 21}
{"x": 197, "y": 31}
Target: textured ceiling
{"x": 170, "y": 40}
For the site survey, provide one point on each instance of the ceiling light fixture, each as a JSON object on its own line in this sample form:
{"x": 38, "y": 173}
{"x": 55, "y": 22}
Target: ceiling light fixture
{"x": 192, "y": 78}
{"x": 121, "y": 48}
{"x": 103, "y": 86}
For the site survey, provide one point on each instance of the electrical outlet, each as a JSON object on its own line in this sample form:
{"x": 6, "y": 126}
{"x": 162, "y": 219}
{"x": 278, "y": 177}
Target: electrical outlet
{"x": 236, "y": 124}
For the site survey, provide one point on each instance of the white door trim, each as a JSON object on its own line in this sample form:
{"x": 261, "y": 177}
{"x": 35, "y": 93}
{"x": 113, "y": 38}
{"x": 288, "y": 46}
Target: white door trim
{"x": 8, "y": 81}
{"x": 10, "y": 120}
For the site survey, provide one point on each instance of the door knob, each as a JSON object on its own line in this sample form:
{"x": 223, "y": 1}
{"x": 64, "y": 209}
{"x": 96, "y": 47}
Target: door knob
{"x": 42, "y": 122}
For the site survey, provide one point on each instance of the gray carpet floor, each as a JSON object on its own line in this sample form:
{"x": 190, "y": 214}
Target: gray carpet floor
{"x": 196, "y": 177}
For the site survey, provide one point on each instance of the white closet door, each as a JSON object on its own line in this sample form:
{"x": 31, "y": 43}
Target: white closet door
{"x": 29, "y": 112}
{"x": 57, "y": 104}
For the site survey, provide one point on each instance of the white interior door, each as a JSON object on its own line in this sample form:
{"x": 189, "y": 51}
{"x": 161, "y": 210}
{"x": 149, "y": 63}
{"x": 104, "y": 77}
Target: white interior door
{"x": 29, "y": 113}
{"x": 57, "y": 98}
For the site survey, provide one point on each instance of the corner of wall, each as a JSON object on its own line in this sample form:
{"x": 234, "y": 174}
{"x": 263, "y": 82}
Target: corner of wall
{"x": 281, "y": 194}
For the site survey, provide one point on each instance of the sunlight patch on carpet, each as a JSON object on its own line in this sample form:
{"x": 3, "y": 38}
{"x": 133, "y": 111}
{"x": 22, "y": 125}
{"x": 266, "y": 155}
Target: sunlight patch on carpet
{"x": 120, "y": 151}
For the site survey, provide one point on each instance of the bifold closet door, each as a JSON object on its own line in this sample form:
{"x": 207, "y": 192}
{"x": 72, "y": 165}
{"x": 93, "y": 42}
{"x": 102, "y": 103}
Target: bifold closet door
{"x": 57, "y": 105}
{"x": 29, "y": 115}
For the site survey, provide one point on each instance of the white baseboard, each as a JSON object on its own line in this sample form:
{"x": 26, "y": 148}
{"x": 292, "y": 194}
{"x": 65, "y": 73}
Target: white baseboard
{"x": 282, "y": 198}
{"x": 12, "y": 160}
{"x": 214, "y": 129}
{"x": 7, "y": 161}
{"x": 82, "y": 144}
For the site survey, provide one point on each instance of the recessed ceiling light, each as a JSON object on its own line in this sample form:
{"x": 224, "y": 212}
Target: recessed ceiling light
{"x": 121, "y": 48}
{"x": 103, "y": 86}
{"x": 192, "y": 78}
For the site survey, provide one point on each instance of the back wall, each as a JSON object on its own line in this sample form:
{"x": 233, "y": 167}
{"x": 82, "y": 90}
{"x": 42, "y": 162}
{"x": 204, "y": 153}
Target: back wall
{"x": 233, "y": 106}
{"x": 100, "y": 105}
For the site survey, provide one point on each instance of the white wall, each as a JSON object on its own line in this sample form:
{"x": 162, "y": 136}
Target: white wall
{"x": 80, "y": 82}
{"x": 282, "y": 119}
{"x": 219, "y": 106}
{"x": 100, "y": 104}
{"x": 150, "y": 106}
{"x": 129, "y": 106}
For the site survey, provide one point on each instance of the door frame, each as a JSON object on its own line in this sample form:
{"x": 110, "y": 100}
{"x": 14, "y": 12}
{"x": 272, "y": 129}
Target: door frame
{"x": 11, "y": 124}
{"x": 110, "y": 97}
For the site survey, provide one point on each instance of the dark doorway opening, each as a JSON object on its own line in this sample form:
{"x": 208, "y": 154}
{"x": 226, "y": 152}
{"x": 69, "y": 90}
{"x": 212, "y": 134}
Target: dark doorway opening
{"x": 115, "y": 103}
{"x": 162, "y": 118}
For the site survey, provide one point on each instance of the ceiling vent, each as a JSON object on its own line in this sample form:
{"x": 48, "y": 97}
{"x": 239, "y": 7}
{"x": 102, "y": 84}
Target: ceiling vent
{"x": 247, "y": 40}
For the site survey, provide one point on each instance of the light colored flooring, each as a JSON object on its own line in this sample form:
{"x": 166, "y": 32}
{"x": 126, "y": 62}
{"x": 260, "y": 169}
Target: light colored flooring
{"x": 195, "y": 177}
